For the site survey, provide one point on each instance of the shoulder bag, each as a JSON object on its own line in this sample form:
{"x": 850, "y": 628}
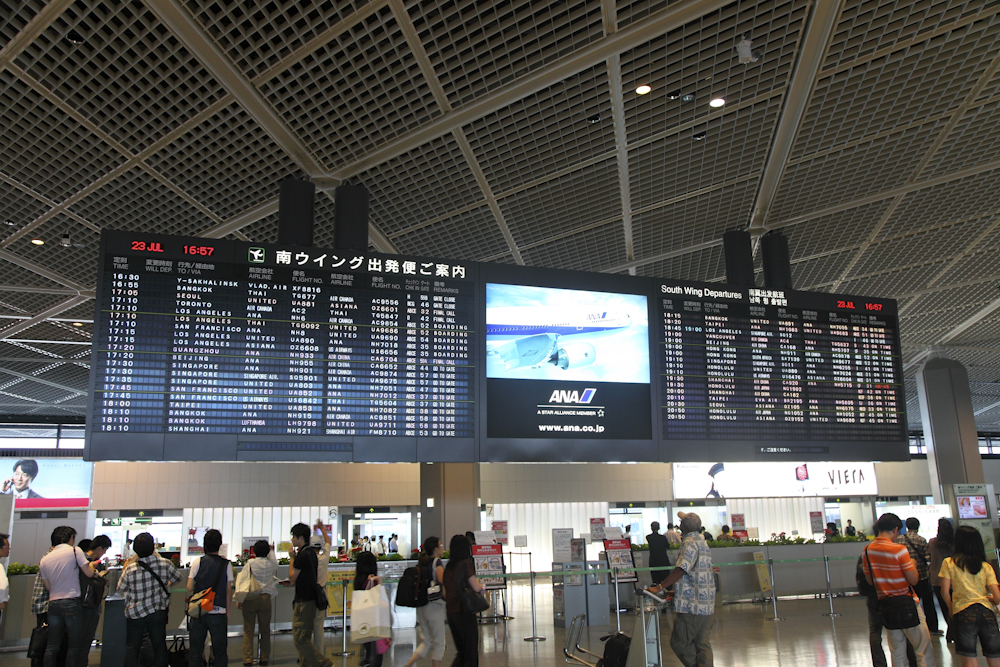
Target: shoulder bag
{"x": 472, "y": 602}
{"x": 434, "y": 587}
{"x": 92, "y": 590}
{"x": 203, "y": 602}
{"x": 897, "y": 612}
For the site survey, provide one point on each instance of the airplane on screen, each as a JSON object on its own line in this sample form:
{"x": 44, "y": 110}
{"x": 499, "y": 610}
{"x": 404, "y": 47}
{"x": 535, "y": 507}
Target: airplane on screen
{"x": 528, "y": 337}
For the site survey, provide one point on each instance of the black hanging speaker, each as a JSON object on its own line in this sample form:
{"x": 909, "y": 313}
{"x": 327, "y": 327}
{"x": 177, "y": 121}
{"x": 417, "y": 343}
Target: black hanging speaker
{"x": 739, "y": 258}
{"x": 777, "y": 265}
{"x": 350, "y": 217}
{"x": 296, "y": 204}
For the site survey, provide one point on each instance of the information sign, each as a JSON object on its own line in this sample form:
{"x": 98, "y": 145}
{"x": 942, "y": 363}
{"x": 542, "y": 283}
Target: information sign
{"x": 619, "y": 555}
{"x": 490, "y": 565}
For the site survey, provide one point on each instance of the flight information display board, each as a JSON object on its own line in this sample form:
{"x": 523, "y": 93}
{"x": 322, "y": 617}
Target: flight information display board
{"x": 788, "y": 373}
{"x": 243, "y": 347}
{"x": 209, "y": 349}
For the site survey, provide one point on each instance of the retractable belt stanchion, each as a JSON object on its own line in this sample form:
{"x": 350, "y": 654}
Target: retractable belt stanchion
{"x": 534, "y": 622}
{"x": 829, "y": 590}
{"x": 618, "y": 607}
{"x": 774, "y": 591}
{"x": 343, "y": 647}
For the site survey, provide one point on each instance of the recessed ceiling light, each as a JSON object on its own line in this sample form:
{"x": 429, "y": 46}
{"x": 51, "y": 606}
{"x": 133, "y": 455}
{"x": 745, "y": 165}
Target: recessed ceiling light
{"x": 643, "y": 90}
{"x": 73, "y": 37}
{"x": 9, "y": 223}
{"x": 687, "y": 98}
{"x": 698, "y": 136}
{"x": 596, "y": 118}
{"x": 717, "y": 102}
{"x": 78, "y": 324}
{"x": 673, "y": 95}
{"x": 38, "y": 241}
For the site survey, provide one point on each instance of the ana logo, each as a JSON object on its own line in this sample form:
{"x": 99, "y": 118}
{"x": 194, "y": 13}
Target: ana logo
{"x": 564, "y": 396}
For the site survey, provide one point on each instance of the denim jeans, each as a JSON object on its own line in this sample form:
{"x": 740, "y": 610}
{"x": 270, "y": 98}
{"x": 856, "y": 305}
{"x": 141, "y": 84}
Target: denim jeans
{"x": 91, "y": 619}
{"x": 65, "y": 625}
{"x": 977, "y": 623}
{"x": 198, "y": 629}
{"x": 155, "y": 625}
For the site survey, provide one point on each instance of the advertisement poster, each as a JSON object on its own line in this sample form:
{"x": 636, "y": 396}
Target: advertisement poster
{"x": 562, "y": 542}
{"x": 619, "y": 554}
{"x": 46, "y": 483}
{"x": 500, "y": 531}
{"x": 578, "y": 549}
{"x": 489, "y": 565}
{"x": 972, "y": 507}
{"x": 335, "y": 591}
{"x": 763, "y": 576}
{"x": 816, "y": 523}
{"x": 773, "y": 479}
{"x": 566, "y": 363}
{"x": 196, "y": 540}
{"x": 739, "y": 526}
{"x": 248, "y": 543}
{"x": 597, "y": 529}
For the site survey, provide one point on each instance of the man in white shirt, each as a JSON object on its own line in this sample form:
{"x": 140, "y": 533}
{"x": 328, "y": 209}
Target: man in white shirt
{"x": 322, "y": 547}
{"x": 4, "y": 585}
{"x": 216, "y": 621}
{"x": 60, "y": 571}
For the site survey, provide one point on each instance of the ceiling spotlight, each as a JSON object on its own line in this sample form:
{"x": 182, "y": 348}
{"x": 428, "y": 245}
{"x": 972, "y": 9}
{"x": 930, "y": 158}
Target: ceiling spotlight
{"x": 596, "y": 118}
{"x": 747, "y": 54}
{"x": 717, "y": 102}
{"x": 699, "y": 136}
{"x": 78, "y": 324}
{"x": 9, "y": 223}
{"x": 74, "y": 37}
{"x": 643, "y": 90}
{"x": 38, "y": 241}
{"x": 65, "y": 242}
{"x": 687, "y": 98}
{"x": 673, "y": 95}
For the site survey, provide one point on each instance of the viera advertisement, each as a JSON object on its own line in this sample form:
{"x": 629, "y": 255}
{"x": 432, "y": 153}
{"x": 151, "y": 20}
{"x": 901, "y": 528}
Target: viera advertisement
{"x": 46, "y": 483}
{"x": 773, "y": 479}
{"x": 564, "y": 363}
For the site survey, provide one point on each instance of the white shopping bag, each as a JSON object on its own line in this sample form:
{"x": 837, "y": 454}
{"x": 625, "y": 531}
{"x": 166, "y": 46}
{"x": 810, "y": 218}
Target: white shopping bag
{"x": 247, "y": 586}
{"x": 370, "y": 616}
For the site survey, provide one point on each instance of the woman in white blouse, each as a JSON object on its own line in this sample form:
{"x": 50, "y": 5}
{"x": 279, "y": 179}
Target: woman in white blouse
{"x": 257, "y": 609}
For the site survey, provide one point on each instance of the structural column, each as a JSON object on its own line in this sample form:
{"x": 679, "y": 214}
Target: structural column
{"x": 949, "y": 427}
{"x": 449, "y": 498}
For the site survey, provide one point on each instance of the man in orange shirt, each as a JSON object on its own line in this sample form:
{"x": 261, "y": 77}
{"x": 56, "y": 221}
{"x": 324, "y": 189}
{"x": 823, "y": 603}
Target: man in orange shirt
{"x": 888, "y": 567}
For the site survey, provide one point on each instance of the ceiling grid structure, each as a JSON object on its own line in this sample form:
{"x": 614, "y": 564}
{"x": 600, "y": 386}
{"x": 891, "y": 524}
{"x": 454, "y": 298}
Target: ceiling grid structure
{"x": 510, "y": 132}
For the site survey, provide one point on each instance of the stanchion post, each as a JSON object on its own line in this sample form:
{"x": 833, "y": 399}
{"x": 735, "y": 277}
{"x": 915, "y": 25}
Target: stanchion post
{"x": 774, "y": 591}
{"x": 829, "y": 590}
{"x": 344, "y": 653}
{"x": 618, "y": 607}
{"x": 534, "y": 623}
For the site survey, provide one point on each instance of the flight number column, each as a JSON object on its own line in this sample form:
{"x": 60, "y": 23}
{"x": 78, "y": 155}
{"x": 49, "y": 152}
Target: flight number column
{"x": 306, "y": 364}
{"x": 132, "y": 353}
{"x": 386, "y": 354}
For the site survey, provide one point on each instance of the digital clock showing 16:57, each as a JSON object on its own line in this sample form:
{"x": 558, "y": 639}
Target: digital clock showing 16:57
{"x": 203, "y": 250}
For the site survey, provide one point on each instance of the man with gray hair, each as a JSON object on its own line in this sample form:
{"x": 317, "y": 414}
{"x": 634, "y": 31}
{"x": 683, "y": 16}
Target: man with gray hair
{"x": 694, "y": 595}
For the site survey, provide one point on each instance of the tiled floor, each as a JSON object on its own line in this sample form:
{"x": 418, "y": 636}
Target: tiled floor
{"x": 743, "y": 636}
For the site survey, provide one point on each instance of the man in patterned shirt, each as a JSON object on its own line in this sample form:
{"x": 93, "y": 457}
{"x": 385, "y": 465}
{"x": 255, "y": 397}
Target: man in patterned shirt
{"x": 694, "y": 595}
{"x": 921, "y": 557}
{"x": 145, "y": 584}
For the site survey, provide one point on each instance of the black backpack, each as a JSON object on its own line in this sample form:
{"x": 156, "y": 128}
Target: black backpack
{"x": 615, "y": 650}
{"x": 412, "y": 588}
{"x": 864, "y": 588}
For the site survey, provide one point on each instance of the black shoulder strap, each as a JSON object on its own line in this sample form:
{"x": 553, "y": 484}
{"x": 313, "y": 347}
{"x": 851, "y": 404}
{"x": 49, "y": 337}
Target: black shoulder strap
{"x": 155, "y": 576}
{"x": 222, "y": 569}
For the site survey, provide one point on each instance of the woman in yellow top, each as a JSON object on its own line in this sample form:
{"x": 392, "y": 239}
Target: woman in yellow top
{"x": 969, "y": 585}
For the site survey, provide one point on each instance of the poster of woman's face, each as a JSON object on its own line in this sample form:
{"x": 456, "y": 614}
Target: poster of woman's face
{"x": 48, "y": 483}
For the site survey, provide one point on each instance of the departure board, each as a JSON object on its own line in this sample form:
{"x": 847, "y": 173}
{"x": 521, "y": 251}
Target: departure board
{"x": 268, "y": 349}
{"x": 794, "y": 372}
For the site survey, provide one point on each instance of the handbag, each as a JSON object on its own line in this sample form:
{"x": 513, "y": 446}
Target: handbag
{"x": 39, "y": 640}
{"x": 897, "y": 612}
{"x": 177, "y": 652}
{"x": 434, "y": 588}
{"x": 473, "y": 602}
{"x": 382, "y": 645}
{"x": 371, "y": 618}
{"x": 322, "y": 602}
{"x": 247, "y": 586}
{"x": 94, "y": 592}
{"x": 203, "y": 602}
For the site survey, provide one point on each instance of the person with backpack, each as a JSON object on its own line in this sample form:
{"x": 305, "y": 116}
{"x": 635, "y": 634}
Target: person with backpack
{"x": 694, "y": 595}
{"x": 431, "y": 617}
{"x": 257, "y": 609}
{"x": 365, "y": 577}
{"x": 920, "y": 555}
{"x": 145, "y": 585}
{"x": 969, "y": 585}
{"x": 95, "y": 550}
{"x": 214, "y": 572}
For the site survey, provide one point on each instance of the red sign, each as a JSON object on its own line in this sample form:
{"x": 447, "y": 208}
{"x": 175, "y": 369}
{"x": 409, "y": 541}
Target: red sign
{"x": 489, "y": 565}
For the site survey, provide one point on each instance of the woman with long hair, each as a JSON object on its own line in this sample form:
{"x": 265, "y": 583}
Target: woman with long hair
{"x": 970, "y": 588}
{"x": 941, "y": 547}
{"x": 432, "y": 617}
{"x": 365, "y": 577}
{"x": 458, "y": 576}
